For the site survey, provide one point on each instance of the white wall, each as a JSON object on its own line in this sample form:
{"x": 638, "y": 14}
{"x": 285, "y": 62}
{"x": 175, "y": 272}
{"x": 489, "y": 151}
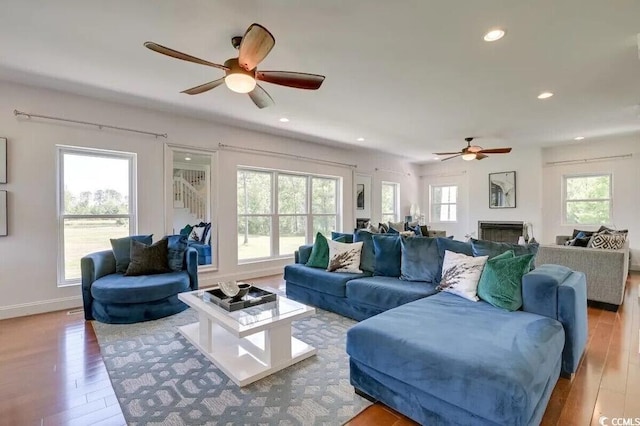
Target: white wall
{"x": 472, "y": 178}
{"x": 626, "y": 184}
{"x": 28, "y": 256}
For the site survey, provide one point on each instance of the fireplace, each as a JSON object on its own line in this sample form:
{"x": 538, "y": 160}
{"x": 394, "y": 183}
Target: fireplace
{"x": 504, "y": 232}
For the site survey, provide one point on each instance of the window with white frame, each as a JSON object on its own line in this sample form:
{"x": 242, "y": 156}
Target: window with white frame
{"x": 390, "y": 196}
{"x": 280, "y": 211}
{"x": 443, "y": 202}
{"x": 96, "y": 202}
{"x": 587, "y": 199}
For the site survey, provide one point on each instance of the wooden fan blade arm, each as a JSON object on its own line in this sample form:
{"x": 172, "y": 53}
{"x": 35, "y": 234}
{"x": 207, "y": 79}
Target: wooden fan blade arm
{"x": 447, "y": 153}
{"x": 204, "y": 87}
{"x": 260, "y": 97}
{"x": 299, "y": 80}
{"x": 179, "y": 55}
{"x": 496, "y": 151}
{"x": 449, "y": 158}
{"x": 480, "y": 156}
{"x": 256, "y": 44}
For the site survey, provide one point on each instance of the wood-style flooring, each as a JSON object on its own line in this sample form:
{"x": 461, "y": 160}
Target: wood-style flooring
{"x": 51, "y": 372}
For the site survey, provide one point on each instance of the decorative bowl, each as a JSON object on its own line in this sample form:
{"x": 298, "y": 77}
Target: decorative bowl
{"x": 234, "y": 289}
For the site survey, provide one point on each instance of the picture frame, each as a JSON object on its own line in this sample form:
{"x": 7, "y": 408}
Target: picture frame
{"x": 3, "y": 214}
{"x": 362, "y": 186}
{"x": 502, "y": 190}
{"x": 360, "y": 196}
{"x": 3, "y": 160}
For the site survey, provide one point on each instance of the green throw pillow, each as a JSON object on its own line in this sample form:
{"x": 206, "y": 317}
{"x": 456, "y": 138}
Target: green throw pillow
{"x": 501, "y": 280}
{"x": 319, "y": 257}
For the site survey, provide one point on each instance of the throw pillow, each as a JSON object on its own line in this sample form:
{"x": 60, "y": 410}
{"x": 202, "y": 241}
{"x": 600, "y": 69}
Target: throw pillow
{"x": 416, "y": 230}
{"x": 197, "y": 234}
{"x": 461, "y": 273}
{"x": 348, "y": 238}
{"x": 383, "y": 228}
{"x": 344, "y": 257}
{"x": 393, "y": 231}
{"x": 371, "y": 228}
{"x": 319, "y": 257}
{"x": 501, "y": 280}
{"x": 148, "y": 260}
{"x": 186, "y": 230}
{"x": 388, "y": 254}
{"x": 368, "y": 255}
{"x": 176, "y": 247}
{"x": 398, "y": 226}
{"x": 586, "y": 233}
{"x": 607, "y": 241}
{"x": 122, "y": 250}
{"x": 612, "y": 231}
{"x": 420, "y": 260}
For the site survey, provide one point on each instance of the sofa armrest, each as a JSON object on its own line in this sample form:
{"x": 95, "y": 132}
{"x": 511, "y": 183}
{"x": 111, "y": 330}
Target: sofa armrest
{"x": 557, "y": 292}
{"x": 302, "y": 254}
{"x": 191, "y": 266}
{"x": 94, "y": 266}
{"x": 561, "y": 239}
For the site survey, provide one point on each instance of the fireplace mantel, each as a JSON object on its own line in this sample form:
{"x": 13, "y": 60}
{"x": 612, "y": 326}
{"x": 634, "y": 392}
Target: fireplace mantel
{"x": 500, "y": 231}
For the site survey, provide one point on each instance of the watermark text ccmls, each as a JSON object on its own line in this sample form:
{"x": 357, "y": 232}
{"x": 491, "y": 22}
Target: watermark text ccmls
{"x": 619, "y": 421}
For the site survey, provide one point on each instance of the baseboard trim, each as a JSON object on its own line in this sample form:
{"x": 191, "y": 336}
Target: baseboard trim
{"x": 209, "y": 280}
{"x": 39, "y": 307}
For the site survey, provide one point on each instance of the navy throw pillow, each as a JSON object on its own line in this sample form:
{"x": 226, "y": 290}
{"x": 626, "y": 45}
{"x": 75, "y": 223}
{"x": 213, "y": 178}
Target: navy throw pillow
{"x": 387, "y": 254}
{"x": 348, "y": 238}
{"x": 420, "y": 260}
{"x": 122, "y": 249}
{"x": 367, "y": 255}
{"x": 177, "y": 246}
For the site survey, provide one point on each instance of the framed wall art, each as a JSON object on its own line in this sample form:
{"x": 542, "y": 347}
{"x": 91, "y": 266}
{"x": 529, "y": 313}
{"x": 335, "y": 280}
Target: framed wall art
{"x": 3, "y": 160}
{"x": 3, "y": 214}
{"x": 502, "y": 190}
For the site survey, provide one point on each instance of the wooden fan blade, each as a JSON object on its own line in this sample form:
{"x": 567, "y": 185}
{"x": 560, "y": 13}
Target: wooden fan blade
{"x": 260, "y": 97}
{"x": 480, "y": 156}
{"x": 204, "y": 87}
{"x": 449, "y": 158}
{"x": 256, "y": 44}
{"x": 496, "y": 151}
{"x": 179, "y": 55}
{"x": 299, "y": 80}
{"x": 447, "y": 153}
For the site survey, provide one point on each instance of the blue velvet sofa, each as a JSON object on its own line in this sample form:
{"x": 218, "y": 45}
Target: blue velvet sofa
{"x": 442, "y": 359}
{"x": 114, "y": 298}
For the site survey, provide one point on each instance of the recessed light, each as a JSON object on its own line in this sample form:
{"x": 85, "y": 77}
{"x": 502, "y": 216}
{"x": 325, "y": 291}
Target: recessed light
{"x": 578, "y": 138}
{"x": 493, "y": 35}
{"x": 360, "y": 139}
{"x": 545, "y": 95}
{"x": 284, "y": 120}
{"x": 187, "y": 158}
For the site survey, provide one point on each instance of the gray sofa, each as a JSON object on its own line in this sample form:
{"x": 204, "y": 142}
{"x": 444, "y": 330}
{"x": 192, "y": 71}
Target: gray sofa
{"x": 606, "y": 270}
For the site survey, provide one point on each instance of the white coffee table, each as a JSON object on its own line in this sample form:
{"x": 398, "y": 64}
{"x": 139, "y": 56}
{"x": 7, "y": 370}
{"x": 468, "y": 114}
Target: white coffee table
{"x": 248, "y": 344}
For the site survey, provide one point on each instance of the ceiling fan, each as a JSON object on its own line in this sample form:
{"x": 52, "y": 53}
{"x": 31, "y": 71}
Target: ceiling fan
{"x": 473, "y": 152}
{"x": 241, "y": 73}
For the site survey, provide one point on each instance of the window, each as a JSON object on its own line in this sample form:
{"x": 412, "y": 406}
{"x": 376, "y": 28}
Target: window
{"x": 390, "y": 201}
{"x": 587, "y": 199}
{"x": 443, "y": 203}
{"x": 278, "y": 211}
{"x": 96, "y": 202}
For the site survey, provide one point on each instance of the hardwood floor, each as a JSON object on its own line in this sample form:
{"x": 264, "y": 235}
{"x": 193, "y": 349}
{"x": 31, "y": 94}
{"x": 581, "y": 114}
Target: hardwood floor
{"x": 51, "y": 372}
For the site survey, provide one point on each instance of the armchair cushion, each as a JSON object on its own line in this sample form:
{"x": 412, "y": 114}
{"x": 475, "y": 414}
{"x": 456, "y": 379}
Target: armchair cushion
{"x": 122, "y": 249}
{"x": 117, "y": 288}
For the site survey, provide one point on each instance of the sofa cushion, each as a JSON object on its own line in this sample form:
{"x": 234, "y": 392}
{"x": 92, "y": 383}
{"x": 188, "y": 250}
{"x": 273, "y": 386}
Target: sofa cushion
{"x": 387, "y": 292}
{"x": 497, "y": 368}
{"x": 493, "y": 248}
{"x": 388, "y": 253}
{"x": 319, "y": 279}
{"x": 319, "y": 257}
{"x": 348, "y": 238}
{"x": 367, "y": 256}
{"x": 501, "y": 280}
{"x": 461, "y": 274}
{"x": 344, "y": 257}
{"x": 420, "y": 260}
{"x": 117, "y": 288}
{"x": 122, "y": 249}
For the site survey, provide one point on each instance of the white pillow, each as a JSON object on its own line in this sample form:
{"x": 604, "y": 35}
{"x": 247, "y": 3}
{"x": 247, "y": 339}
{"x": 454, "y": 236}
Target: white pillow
{"x": 398, "y": 226}
{"x": 461, "y": 273}
{"x": 344, "y": 257}
{"x": 196, "y": 233}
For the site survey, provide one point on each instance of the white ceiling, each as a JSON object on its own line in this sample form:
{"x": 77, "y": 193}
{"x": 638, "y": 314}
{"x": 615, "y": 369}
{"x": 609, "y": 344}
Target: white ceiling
{"x": 412, "y": 76}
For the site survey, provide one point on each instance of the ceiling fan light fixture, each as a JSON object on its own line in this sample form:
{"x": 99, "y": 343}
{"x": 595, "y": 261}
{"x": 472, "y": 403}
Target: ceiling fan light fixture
{"x": 545, "y": 95}
{"x": 469, "y": 156}
{"x": 494, "y": 35}
{"x": 240, "y": 83}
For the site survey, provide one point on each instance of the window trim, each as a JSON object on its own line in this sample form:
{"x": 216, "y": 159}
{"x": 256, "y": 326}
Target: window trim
{"x": 396, "y": 201}
{"x": 274, "y": 215}
{"x": 61, "y": 150}
{"x": 564, "y": 220}
{"x": 432, "y": 203}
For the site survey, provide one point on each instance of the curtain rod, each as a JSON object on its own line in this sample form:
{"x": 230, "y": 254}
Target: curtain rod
{"x": 285, "y": 155}
{"x": 87, "y": 123}
{"x": 464, "y": 172}
{"x": 588, "y": 160}
{"x": 392, "y": 171}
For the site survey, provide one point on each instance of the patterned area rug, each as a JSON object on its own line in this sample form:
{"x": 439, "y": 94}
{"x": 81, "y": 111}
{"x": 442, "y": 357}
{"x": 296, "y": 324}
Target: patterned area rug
{"x": 161, "y": 379}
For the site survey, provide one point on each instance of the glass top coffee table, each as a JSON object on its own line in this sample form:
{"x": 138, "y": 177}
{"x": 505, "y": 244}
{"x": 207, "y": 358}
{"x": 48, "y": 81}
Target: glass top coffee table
{"x": 250, "y": 343}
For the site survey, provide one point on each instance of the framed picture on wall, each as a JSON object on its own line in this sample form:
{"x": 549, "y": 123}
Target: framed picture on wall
{"x": 502, "y": 190}
{"x": 3, "y": 214}
{"x": 3, "y": 160}
{"x": 360, "y": 196}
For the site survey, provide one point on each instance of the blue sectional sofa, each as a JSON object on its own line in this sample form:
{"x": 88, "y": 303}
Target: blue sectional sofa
{"x": 442, "y": 359}
{"x": 111, "y": 297}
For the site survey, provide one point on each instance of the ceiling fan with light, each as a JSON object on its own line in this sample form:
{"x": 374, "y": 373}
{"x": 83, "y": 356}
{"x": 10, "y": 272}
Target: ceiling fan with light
{"x": 241, "y": 73}
{"x": 473, "y": 152}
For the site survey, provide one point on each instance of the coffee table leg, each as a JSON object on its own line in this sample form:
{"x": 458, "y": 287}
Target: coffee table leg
{"x": 278, "y": 344}
{"x": 205, "y": 332}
